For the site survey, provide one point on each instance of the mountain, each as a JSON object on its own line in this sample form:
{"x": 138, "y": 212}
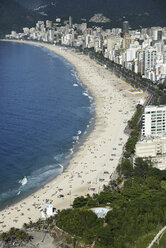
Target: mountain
{"x": 14, "y": 16}
{"x": 144, "y": 13}
{"x": 33, "y": 4}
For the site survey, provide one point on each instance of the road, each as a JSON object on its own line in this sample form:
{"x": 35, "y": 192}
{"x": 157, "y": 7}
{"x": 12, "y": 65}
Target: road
{"x": 157, "y": 237}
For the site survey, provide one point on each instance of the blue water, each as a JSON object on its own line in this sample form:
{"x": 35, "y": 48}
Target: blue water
{"x": 41, "y": 113}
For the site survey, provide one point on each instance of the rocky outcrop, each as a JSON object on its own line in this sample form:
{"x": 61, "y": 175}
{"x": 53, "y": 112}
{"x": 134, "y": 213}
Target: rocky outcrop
{"x": 99, "y": 18}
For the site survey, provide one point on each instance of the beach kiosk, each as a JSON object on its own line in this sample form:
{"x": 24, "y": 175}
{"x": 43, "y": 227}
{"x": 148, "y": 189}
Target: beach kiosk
{"x": 48, "y": 211}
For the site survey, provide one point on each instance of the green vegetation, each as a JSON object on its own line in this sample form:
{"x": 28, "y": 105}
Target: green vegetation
{"x": 161, "y": 243}
{"x": 137, "y": 200}
{"x": 79, "y": 222}
{"x": 14, "y": 17}
{"x": 134, "y": 135}
{"x": 15, "y": 236}
{"x": 138, "y": 210}
{"x": 163, "y": 100}
{"x": 42, "y": 225}
{"x": 138, "y": 13}
{"x": 134, "y": 121}
{"x": 137, "y": 197}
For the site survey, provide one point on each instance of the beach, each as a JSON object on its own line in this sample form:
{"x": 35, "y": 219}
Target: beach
{"x": 97, "y": 157}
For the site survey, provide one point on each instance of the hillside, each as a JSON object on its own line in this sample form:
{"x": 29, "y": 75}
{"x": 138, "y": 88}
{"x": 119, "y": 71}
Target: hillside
{"x": 144, "y": 13}
{"x": 13, "y": 16}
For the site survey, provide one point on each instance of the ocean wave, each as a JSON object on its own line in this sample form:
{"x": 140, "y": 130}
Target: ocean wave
{"x": 36, "y": 179}
{"x": 24, "y": 181}
{"x": 85, "y": 94}
{"x": 92, "y": 108}
{"x": 5, "y": 196}
{"x": 48, "y": 159}
{"x": 61, "y": 166}
{"x": 79, "y": 132}
{"x": 39, "y": 176}
{"x": 59, "y": 157}
{"x": 90, "y": 98}
{"x": 71, "y": 150}
{"x": 74, "y": 73}
{"x": 76, "y": 138}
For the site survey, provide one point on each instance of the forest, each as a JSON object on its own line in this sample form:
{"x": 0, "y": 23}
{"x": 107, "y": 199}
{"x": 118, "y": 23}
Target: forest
{"x": 137, "y": 209}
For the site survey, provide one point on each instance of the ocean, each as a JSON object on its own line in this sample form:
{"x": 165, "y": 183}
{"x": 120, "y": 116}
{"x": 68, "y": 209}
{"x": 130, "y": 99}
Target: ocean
{"x": 44, "y": 113}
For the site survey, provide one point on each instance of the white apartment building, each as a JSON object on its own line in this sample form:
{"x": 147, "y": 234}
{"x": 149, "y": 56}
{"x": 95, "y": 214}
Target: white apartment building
{"x": 151, "y": 147}
{"x": 154, "y": 121}
{"x": 149, "y": 57}
{"x": 112, "y": 40}
{"x": 49, "y": 24}
{"x": 154, "y": 148}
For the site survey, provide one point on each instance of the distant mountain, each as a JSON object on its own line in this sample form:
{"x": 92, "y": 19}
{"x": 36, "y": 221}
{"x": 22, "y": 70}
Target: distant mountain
{"x": 33, "y": 4}
{"x": 14, "y": 16}
{"x": 99, "y": 18}
{"x": 138, "y": 12}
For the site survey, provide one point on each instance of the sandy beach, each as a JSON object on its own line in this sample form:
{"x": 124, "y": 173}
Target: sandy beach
{"x": 91, "y": 166}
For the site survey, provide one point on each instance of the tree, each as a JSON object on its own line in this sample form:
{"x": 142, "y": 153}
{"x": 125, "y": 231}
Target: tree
{"x": 80, "y": 202}
{"x": 142, "y": 167}
{"x": 126, "y": 168}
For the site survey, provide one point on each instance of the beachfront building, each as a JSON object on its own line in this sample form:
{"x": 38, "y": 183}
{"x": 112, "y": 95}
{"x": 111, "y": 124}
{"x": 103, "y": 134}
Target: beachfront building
{"x": 154, "y": 121}
{"x": 153, "y": 143}
{"x": 48, "y": 211}
{"x": 142, "y": 51}
{"x": 151, "y": 147}
{"x": 125, "y": 27}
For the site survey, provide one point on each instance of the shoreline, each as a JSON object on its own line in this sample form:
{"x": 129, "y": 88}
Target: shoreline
{"x": 75, "y": 146}
{"x": 97, "y": 157}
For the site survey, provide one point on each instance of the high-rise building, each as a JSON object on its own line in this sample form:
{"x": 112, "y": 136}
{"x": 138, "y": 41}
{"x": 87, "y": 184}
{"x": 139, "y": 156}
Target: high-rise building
{"x": 112, "y": 40}
{"x": 164, "y": 57}
{"x": 70, "y": 21}
{"x": 48, "y": 24}
{"x": 154, "y": 121}
{"x": 151, "y": 147}
{"x": 159, "y": 35}
{"x": 125, "y": 27}
{"x": 126, "y": 41}
{"x": 149, "y": 58}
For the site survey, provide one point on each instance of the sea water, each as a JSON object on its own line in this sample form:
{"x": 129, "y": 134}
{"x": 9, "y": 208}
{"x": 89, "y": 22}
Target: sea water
{"x": 44, "y": 111}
